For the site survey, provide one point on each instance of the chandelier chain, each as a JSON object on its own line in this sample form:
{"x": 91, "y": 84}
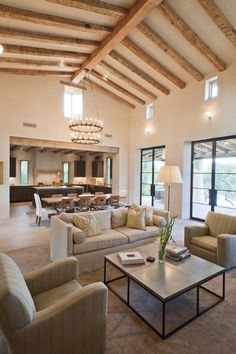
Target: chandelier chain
{"x": 94, "y": 99}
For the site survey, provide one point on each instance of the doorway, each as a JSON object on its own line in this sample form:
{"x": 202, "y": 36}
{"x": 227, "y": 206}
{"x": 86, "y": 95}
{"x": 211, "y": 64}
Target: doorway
{"x": 213, "y": 177}
{"x": 152, "y": 192}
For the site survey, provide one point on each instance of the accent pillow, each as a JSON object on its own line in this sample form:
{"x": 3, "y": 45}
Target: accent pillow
{"x": 159, "y": 220}
{"x": 136, "y": 218}
{"x": 118, "y": 218}
{"x": 149, "y": 213}
{"x": 87, "y": 223}
{"x": 77, "y": 234}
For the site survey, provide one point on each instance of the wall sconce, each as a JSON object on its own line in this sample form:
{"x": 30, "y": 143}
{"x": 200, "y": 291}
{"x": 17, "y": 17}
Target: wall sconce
{"x": 148, "y": 130}
{"x": 209, "y": 115}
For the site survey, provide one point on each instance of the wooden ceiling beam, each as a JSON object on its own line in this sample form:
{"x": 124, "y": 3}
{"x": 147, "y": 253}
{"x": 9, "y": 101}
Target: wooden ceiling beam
{"x": 219, "y": 19}
{"x": 35, "y": 72}
{"x": 155, "y": 38}
{"x": 70, "y": 152}
{"x": 116, "y": 87}
{"x": 50, "y": 20}
{"x": 42, "y": 52}
{"x": 190, "y": 35}
{"x": 139, "y": 72}
{"x": 31, "y": 148}
{"x": 111, "y": 94}
{"x": 6, "y": 32}
{"x": 68, "y": 83}
{"x": 161, "y": 69}
{"x": 96, "y": 6}
{"x": 38, "y": 63}
{"x": 127, "y": 79}
{"x": 136, "y": 14}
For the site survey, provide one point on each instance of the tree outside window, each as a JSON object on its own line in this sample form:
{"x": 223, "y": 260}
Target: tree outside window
{"x": 24, "y": 172}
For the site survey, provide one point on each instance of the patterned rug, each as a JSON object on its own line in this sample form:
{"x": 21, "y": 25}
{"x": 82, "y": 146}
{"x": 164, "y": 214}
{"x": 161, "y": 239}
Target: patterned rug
{"x": 214, "y": 332}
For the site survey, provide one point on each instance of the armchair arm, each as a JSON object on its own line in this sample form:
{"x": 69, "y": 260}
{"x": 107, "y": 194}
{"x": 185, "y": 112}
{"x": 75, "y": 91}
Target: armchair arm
{"x": 52, "y": 275}
{"x": 194, "y": 231}
{"x": 226, "y": 250}
{"x": 61, "y": 239}
{"x": 76, "y": 324}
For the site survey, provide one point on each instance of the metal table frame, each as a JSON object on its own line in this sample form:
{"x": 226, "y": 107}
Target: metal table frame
{"x": 198, "y": 285}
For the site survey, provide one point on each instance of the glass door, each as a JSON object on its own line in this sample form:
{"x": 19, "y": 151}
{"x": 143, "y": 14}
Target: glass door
{"x": 213, "y": 177}
{"x": 151, "y": 192}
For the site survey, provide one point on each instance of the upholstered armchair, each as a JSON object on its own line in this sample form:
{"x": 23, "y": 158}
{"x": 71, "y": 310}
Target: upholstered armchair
{"x": 215, "y": 241}
{"x": 49, "y": 312}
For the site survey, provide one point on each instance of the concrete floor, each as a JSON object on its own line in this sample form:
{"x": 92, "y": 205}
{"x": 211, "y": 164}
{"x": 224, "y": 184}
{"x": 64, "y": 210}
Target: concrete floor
{"x": 20, "y": 230}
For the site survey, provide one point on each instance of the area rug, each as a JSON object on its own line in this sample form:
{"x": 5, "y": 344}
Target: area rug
{"x": 213, "y": 332}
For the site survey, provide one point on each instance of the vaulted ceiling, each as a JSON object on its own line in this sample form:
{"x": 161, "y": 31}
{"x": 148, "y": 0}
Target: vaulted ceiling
{"x": 135, "y": 51}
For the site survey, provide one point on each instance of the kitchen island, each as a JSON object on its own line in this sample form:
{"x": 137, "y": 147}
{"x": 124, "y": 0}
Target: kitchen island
{"x": 47, "y": 191}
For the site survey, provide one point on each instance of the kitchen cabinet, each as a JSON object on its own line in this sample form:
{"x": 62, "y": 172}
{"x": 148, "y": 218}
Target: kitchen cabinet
{"x": 21, "y": 193}
{"x": 79, "y": 168}
{"x": 97, "y": 168}
{"x": 12, "y": 167}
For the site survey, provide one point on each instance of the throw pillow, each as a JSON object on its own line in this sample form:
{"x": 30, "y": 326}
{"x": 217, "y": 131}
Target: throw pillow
{"x": 118, "y": 218}
{"x": 87, "y": 223}
{"x": 149, "y": 213}
{"x": 136, "y": 218}
{"x": 159, "y": 220}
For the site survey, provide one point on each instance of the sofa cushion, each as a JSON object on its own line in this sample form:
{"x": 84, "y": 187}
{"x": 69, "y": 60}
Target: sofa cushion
{"x": 67, "y": 217}
{"x": 17, "y": 307}
{"x": 87, "y": 223}
{"x": 77, "y": 234}
{"x": 207, "y": 242}
{"x": 108, "y": 238}
{"x": 220, "y": 223}
{"x": 103, "y": 218}
{"x": 159, "y": 220}
{"x": 148, "y": 215}
{"x": 49, "y": 297}
{"x": 118, "y": 217}
{"x": 136, "y": 218}
{"x": 136, "y": 235}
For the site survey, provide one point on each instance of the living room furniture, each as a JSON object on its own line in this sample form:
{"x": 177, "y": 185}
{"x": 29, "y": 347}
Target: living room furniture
{"x": 215, "y": 240}
{"x": 42, "y": 212}
{"x": 48, "y": 311}
{"x": 115, "y": 236}
{"x": 165, "y": 281}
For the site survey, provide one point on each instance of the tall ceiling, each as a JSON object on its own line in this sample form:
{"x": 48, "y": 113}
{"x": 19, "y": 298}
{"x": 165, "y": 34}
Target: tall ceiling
{"x": 135, "y": 50}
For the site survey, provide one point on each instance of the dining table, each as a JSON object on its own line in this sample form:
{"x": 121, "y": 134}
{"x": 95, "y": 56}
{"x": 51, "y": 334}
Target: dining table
{"x": 54, "y": 201}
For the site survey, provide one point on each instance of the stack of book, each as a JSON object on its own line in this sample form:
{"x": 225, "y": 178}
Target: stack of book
{"x": 177, "y": 253}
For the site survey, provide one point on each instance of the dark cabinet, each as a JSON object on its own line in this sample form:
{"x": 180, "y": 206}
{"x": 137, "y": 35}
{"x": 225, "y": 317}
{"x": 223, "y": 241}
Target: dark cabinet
{"x": 79, "y": 168}
{"x": 97, "y": 168}
{"x": 12, "y": 167}
{"x": 21, "y": 193}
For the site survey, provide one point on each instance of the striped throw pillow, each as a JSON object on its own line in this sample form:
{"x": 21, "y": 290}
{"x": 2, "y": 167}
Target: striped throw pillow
{"x": 87, "y": 223}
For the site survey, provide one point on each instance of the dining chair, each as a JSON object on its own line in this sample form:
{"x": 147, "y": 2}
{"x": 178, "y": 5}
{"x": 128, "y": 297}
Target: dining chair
{"x": 99, "y": 202}
{"x": 99, "y": 193}
{"x": 66, "y": 204}
{"x": 72, "y": 195}
{"x": 115, "y": 200}
{"x": 40, "y": 211}
{"x": 84, "y": 203}
{"x": 57, "y": 195}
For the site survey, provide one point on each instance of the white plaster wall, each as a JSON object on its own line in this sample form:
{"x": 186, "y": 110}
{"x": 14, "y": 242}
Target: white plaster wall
{"x": 40, "y": 100}
{"x": 179, "y": 118}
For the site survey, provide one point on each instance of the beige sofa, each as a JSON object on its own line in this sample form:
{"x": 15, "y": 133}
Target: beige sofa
{"x": 48, "y": 311}
{"x": 215, "y": 241}
{"x": 115, "y": 236}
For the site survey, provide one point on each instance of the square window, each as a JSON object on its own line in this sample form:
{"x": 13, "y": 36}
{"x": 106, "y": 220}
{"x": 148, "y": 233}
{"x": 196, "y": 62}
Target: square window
{"x": 211, "y": 88}
{"x": 149, "y": 111}
{"x": 73, "y": 103}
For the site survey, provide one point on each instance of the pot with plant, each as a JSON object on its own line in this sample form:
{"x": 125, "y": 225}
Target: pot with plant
{"x": 164, "y": 238}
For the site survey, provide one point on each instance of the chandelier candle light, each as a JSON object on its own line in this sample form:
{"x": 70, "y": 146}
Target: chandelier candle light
{"x": 86, "y": 130}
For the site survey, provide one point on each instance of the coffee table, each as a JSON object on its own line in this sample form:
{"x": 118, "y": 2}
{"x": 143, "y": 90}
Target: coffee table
{"x": 166, "y": 281}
